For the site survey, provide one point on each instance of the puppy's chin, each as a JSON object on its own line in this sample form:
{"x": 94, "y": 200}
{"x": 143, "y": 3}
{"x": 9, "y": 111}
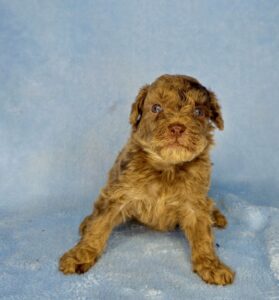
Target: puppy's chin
{"x": 172, "y": 153}
{"x": 176, "y": 154}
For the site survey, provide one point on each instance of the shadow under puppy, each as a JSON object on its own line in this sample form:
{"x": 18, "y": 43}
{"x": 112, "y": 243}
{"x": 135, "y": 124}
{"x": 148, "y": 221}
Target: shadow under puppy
{"x": 161, "y": 177}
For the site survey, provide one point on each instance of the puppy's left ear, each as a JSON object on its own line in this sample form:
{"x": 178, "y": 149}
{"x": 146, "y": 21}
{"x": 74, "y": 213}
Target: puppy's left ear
{"x": 137, "y": 107}
{"x": 215, "y": 111}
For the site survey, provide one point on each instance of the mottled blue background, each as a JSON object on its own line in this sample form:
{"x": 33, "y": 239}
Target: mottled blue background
{"x": 69, "y": 71}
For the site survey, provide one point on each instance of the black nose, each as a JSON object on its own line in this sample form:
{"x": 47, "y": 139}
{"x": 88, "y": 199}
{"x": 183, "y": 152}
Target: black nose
{"x": 176, "y": 129}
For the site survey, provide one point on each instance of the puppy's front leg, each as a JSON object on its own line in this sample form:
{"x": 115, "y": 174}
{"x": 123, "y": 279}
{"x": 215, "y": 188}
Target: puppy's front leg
{"x": 197, "y": 226}
{"x": 81, "y": 257}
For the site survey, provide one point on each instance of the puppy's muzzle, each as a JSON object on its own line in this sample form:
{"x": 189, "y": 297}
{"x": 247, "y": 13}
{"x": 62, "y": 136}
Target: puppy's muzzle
{"x": 176, "y": 129}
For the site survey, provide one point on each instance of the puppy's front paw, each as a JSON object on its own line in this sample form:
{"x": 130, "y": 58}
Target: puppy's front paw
{"x": 215, "y": 273}
{"x": 77, "y": 260}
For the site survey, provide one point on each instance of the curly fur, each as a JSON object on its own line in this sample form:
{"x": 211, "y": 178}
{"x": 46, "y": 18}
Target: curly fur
{"x": 161, "y": 177}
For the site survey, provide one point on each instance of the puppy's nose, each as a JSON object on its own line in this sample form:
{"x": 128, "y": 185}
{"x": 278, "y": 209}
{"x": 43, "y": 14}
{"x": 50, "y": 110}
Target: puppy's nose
{"x": 176, "y": 129}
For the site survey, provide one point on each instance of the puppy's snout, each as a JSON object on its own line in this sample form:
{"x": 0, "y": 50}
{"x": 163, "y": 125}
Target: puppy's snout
{"x": 176, "y": 129}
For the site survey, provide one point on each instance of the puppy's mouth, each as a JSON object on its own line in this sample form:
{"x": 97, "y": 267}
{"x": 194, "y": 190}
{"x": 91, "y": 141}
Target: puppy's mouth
{"x": 175, "y": 145}
{"x": 178, "y": 144}
{"x": 182, "y": 149}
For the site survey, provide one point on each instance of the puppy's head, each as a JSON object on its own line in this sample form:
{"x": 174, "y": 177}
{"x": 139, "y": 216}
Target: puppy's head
{"x": 173, "y": 118}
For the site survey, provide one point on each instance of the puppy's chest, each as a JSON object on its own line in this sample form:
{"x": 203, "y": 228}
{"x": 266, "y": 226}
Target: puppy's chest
{"x": 159, "y": 192}
{"x": 163, "y": 193}
{"x": 170, "y": 190}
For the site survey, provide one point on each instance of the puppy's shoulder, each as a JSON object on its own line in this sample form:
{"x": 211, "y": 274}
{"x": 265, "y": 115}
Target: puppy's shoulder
{"x": 122, "y": 162}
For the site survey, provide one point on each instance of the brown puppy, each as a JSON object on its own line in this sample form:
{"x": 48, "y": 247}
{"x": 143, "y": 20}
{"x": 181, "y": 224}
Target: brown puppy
{"x": 161, "y": 177}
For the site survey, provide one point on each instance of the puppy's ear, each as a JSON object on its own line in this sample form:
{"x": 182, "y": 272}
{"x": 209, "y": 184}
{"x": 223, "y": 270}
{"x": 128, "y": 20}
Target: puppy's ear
{"x": 215, "y": 109}
{"x": 137, "y": 106}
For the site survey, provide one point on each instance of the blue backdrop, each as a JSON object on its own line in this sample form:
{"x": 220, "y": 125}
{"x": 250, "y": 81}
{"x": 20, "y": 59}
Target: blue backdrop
{"x": 69, "y": 71}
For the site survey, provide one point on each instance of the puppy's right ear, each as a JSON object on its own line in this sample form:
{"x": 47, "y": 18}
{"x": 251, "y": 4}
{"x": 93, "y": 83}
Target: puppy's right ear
{"x": 137, "y": 107}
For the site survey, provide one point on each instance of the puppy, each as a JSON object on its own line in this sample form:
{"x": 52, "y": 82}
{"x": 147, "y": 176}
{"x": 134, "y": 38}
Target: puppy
{"x": 161, "y": 177}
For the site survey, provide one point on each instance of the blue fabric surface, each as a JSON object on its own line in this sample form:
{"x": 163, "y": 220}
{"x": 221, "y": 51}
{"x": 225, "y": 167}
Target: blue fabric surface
{"x": 69, "y": 71}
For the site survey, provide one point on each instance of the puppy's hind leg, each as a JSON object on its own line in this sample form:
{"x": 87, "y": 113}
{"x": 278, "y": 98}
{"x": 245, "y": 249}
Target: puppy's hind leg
{"x": 219, "y": 220}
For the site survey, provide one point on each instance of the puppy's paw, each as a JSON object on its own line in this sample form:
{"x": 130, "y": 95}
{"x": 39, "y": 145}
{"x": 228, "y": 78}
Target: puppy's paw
{"x": 77, "y": 260}
{"x": 219, "y": 219}
{"x": 216, "y": 273}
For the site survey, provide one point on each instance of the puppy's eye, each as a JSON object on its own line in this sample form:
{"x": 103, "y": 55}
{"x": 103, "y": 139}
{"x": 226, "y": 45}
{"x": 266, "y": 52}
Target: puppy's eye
{"x": 199, "y": 112}
{"x": 156, "y": 108}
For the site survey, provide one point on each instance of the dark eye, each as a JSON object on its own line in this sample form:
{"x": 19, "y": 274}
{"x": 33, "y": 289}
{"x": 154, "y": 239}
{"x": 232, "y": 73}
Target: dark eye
{"x": 156, "y": 108}
{"x": 199, "y": 112}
